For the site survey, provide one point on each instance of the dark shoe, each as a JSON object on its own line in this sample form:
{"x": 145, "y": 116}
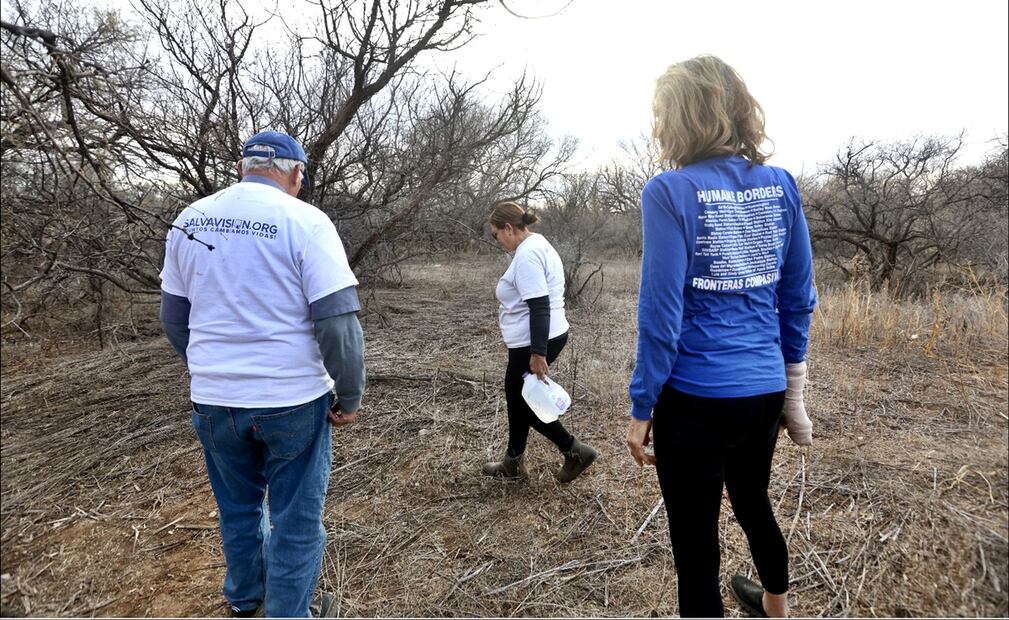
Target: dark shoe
{"x": 257, "y": 612}
{"x": 323, "y": 605}
{"x": 576, "y": 460}
{"x": 749, "y": 595}
{"x": 510, "y": 467}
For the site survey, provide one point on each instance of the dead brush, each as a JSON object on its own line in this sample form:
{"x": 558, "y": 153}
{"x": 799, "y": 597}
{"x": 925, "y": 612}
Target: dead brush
{"x": 899, "y": 509}
{"x": 856, "y": 315}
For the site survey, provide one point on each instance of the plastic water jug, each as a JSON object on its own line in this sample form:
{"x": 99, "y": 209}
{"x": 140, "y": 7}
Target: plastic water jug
{"x": 547, "y": 399}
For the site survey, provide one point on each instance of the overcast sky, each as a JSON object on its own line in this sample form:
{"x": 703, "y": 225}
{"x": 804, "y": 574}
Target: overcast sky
{"x": 823, "y": 71}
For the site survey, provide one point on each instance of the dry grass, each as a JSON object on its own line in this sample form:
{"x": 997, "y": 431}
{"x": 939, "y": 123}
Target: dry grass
{"x": 959, "y": 323}
{"x": 899, "y": 509}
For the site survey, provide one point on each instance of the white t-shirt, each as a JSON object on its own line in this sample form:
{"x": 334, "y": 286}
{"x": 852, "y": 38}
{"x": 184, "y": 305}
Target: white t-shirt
{"x": 252, "y": 341}
{"x": 535, "y": 271}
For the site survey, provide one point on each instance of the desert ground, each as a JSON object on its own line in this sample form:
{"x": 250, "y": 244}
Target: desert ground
{"x": 898, "y": 509}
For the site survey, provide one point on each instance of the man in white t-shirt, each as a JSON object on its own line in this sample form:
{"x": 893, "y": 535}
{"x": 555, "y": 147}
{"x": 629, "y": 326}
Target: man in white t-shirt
{"x": 259, "y": 301}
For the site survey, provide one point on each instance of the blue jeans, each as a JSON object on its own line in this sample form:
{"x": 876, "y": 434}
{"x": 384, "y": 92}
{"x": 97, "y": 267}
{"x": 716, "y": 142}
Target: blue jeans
{"x": 288, "y": 452}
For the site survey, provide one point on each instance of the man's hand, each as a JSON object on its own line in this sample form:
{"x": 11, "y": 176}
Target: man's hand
{"x": 538, "y": 366}
{"x": 337, "y": 417}
{"x": 639, "y": 436}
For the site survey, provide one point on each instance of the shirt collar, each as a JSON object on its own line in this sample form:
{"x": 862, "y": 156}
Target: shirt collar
{"x": 255, "y": 178}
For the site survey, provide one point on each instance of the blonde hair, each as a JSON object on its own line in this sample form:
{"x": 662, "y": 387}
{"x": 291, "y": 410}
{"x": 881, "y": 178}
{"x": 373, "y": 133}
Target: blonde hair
{"x": 702, "y": 108}
{"x": 511, "y": 213}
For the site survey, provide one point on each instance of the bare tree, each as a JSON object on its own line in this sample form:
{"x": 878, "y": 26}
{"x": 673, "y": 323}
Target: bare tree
{"x": 64, "y": 214}
{"x": 620, "y": 186}
{"x": 986, "y": 252}
{"x": 623, "y": 180}
{"x": 111, "y": 126}
{"x": 576, "y": 220}
{"x": 376, "y": 41}
{"x": 456, "y": 156}
{"x": 898, "y": 208}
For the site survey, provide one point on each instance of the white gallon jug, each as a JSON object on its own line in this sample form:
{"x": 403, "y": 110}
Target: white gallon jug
{"x": 547, "y": 399}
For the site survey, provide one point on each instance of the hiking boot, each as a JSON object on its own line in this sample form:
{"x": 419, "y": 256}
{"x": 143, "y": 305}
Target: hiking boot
{"x": 323, "y": 605}
{"x": 576, "y": 460}
{"x": 510, "y": 467}
{"x": 749, "y": 595}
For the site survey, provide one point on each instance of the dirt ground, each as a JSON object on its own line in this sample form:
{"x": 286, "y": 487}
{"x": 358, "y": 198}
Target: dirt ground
{"x": 900, "y": 508}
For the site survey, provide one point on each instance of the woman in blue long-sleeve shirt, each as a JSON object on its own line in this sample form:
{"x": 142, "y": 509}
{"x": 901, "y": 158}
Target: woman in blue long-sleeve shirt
{"x": 723, "y": 316}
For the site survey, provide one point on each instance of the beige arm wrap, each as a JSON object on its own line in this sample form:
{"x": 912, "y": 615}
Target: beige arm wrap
{"x": 797, "y": 423}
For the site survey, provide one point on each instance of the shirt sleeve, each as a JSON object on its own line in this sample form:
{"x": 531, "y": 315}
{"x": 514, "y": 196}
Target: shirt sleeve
{"x": 539, "y": 324}
{"x": 175, "y": 322}
{"x": 324, "y": 267}
{"x": 796, "y": 291}
{"x": 660, "y": 298}
{"x": 531, "y": 276}
{"x": 171, "y": 277}
{"x": 341, "y": 302}
{"x": 341, "y": 343}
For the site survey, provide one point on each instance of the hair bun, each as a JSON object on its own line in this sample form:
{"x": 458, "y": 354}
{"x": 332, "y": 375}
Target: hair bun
{"x": 511, "y": 213}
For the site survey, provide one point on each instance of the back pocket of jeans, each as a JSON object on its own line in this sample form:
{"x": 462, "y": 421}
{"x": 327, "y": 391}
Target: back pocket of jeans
{"x": 204, "y": 429}
{"x": 288, "y": 433}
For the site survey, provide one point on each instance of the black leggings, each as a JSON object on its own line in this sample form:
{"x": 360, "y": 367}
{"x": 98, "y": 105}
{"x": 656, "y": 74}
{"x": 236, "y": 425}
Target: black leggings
{"x": 699, "y": 444}
{"x": 520, "y": 416}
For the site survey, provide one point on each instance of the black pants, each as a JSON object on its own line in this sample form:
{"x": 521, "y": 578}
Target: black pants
{"x": 699, "y": 444}
{"x": 520, "y": 416}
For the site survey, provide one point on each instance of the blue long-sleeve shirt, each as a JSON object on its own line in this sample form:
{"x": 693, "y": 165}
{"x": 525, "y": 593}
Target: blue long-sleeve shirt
{"x": 726, "y": 282}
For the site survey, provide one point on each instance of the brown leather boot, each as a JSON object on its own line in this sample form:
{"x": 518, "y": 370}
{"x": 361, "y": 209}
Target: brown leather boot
{"x": 576, "y": 460}
{"x": 510, "y": 467}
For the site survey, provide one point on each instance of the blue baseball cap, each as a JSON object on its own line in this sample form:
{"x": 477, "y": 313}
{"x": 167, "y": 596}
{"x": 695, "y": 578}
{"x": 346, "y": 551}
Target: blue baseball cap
{"x": 276, "y": 144}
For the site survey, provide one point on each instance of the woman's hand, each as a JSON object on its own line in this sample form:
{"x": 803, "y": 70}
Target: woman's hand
{"x": 538, "y": 365}
{"x": 794, "y": 417}
{"x": 639, "y": 436}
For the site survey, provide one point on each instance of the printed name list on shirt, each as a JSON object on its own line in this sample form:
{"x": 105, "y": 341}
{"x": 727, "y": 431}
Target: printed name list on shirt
{"x": 741, "y": 235}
